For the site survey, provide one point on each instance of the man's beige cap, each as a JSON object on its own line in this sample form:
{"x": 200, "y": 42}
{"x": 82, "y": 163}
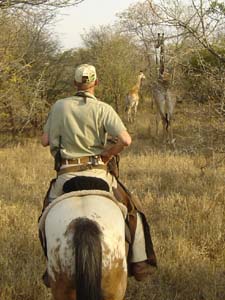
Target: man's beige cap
{"x": 85, "y": 74}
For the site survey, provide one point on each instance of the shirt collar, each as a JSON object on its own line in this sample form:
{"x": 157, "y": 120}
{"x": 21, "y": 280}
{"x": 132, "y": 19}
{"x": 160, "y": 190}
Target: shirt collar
{"x": 87, "y": 94}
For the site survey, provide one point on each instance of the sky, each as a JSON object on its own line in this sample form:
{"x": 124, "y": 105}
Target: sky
{"x": 74, "y": 21}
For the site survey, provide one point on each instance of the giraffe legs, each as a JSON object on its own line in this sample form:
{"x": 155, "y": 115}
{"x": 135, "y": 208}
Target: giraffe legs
{"x": 132, "y": 112}
{"x": 129, "y": 115}
{"x": 167, "y": 129}
{"x": 135, "y": 111}
{"x": 157, "y": 121}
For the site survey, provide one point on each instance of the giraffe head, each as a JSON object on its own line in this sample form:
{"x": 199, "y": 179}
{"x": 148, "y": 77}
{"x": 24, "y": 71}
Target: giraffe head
{"x": 141, "y": 75}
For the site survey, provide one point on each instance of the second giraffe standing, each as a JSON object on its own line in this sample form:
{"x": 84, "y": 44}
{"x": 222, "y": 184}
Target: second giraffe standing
{"x": 132, "y": 99}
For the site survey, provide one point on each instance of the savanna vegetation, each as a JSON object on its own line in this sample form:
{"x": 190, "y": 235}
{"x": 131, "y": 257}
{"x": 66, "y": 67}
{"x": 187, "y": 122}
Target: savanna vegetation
{"x": 182, "y": 192}
{"x": 182, "y": 189}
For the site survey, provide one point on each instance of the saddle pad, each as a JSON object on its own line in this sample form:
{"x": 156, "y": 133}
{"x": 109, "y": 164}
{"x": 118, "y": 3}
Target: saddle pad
{"x": 80, "y": 183}
{"x": 108, "y": 195}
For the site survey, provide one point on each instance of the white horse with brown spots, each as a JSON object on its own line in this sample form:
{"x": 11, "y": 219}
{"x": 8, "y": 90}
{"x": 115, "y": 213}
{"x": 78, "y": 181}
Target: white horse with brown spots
{"x": 85, "y": 239}
{"x": 132, "y": 99}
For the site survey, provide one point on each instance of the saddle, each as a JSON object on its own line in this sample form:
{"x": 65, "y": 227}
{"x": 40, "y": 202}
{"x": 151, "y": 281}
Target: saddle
{"x": 80, "y": 183}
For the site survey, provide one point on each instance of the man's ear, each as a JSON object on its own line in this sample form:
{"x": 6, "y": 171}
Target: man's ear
{"x": 96, "y": 82}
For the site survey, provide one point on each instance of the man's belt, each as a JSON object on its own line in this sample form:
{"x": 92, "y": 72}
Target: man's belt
{"x": 81, "y": 160}
{"x": 80, "y": 168}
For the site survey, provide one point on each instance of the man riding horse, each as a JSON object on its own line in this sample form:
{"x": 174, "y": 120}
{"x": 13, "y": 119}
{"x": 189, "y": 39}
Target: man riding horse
{"x": 76, "y": 131}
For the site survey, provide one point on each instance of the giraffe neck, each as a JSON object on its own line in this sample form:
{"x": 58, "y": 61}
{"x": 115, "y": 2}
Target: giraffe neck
{"x": 137, "y": 86}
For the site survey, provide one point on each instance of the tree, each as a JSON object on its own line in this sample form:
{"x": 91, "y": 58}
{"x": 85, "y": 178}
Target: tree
{"x": 25, "y": 50}
{"x": 31, "y": 63}
{"x": 21, "y": 4}
{"x": 189, "y": 28}
{"x": 202, "y": 20}
{"x": 143, "y": 25}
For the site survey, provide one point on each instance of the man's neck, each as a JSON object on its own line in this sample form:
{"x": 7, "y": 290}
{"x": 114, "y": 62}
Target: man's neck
{"x": 89, "y": 90}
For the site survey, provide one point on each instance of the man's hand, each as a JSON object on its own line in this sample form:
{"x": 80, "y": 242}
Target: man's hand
{"x": 106, "y": 156}
{"x": 123, "y": 140}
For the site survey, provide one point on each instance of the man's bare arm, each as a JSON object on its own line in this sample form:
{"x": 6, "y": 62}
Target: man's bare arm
{"x": 124, "y": 140}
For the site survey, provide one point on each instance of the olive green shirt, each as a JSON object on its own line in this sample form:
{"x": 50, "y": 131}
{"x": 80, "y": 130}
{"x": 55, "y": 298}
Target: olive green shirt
{"x": 82, "y": 125}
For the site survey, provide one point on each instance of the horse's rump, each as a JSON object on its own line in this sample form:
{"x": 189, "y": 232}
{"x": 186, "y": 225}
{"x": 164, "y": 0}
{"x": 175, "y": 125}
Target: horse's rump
{"x": 86, "y": 243}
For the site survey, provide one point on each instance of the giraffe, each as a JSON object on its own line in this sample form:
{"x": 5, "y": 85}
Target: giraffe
{"x": 162, "y": 96}
{"x": 132, "y": 98}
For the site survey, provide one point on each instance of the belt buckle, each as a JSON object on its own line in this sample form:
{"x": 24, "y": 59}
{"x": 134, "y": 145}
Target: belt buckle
{"x": 95, "y": 160}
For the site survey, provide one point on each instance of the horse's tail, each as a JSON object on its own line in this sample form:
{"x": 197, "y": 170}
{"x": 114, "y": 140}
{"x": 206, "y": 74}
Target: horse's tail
{"x": 88, "y": 260}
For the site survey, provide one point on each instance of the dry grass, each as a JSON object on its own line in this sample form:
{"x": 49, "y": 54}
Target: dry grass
{"x": 182, "y": 192}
